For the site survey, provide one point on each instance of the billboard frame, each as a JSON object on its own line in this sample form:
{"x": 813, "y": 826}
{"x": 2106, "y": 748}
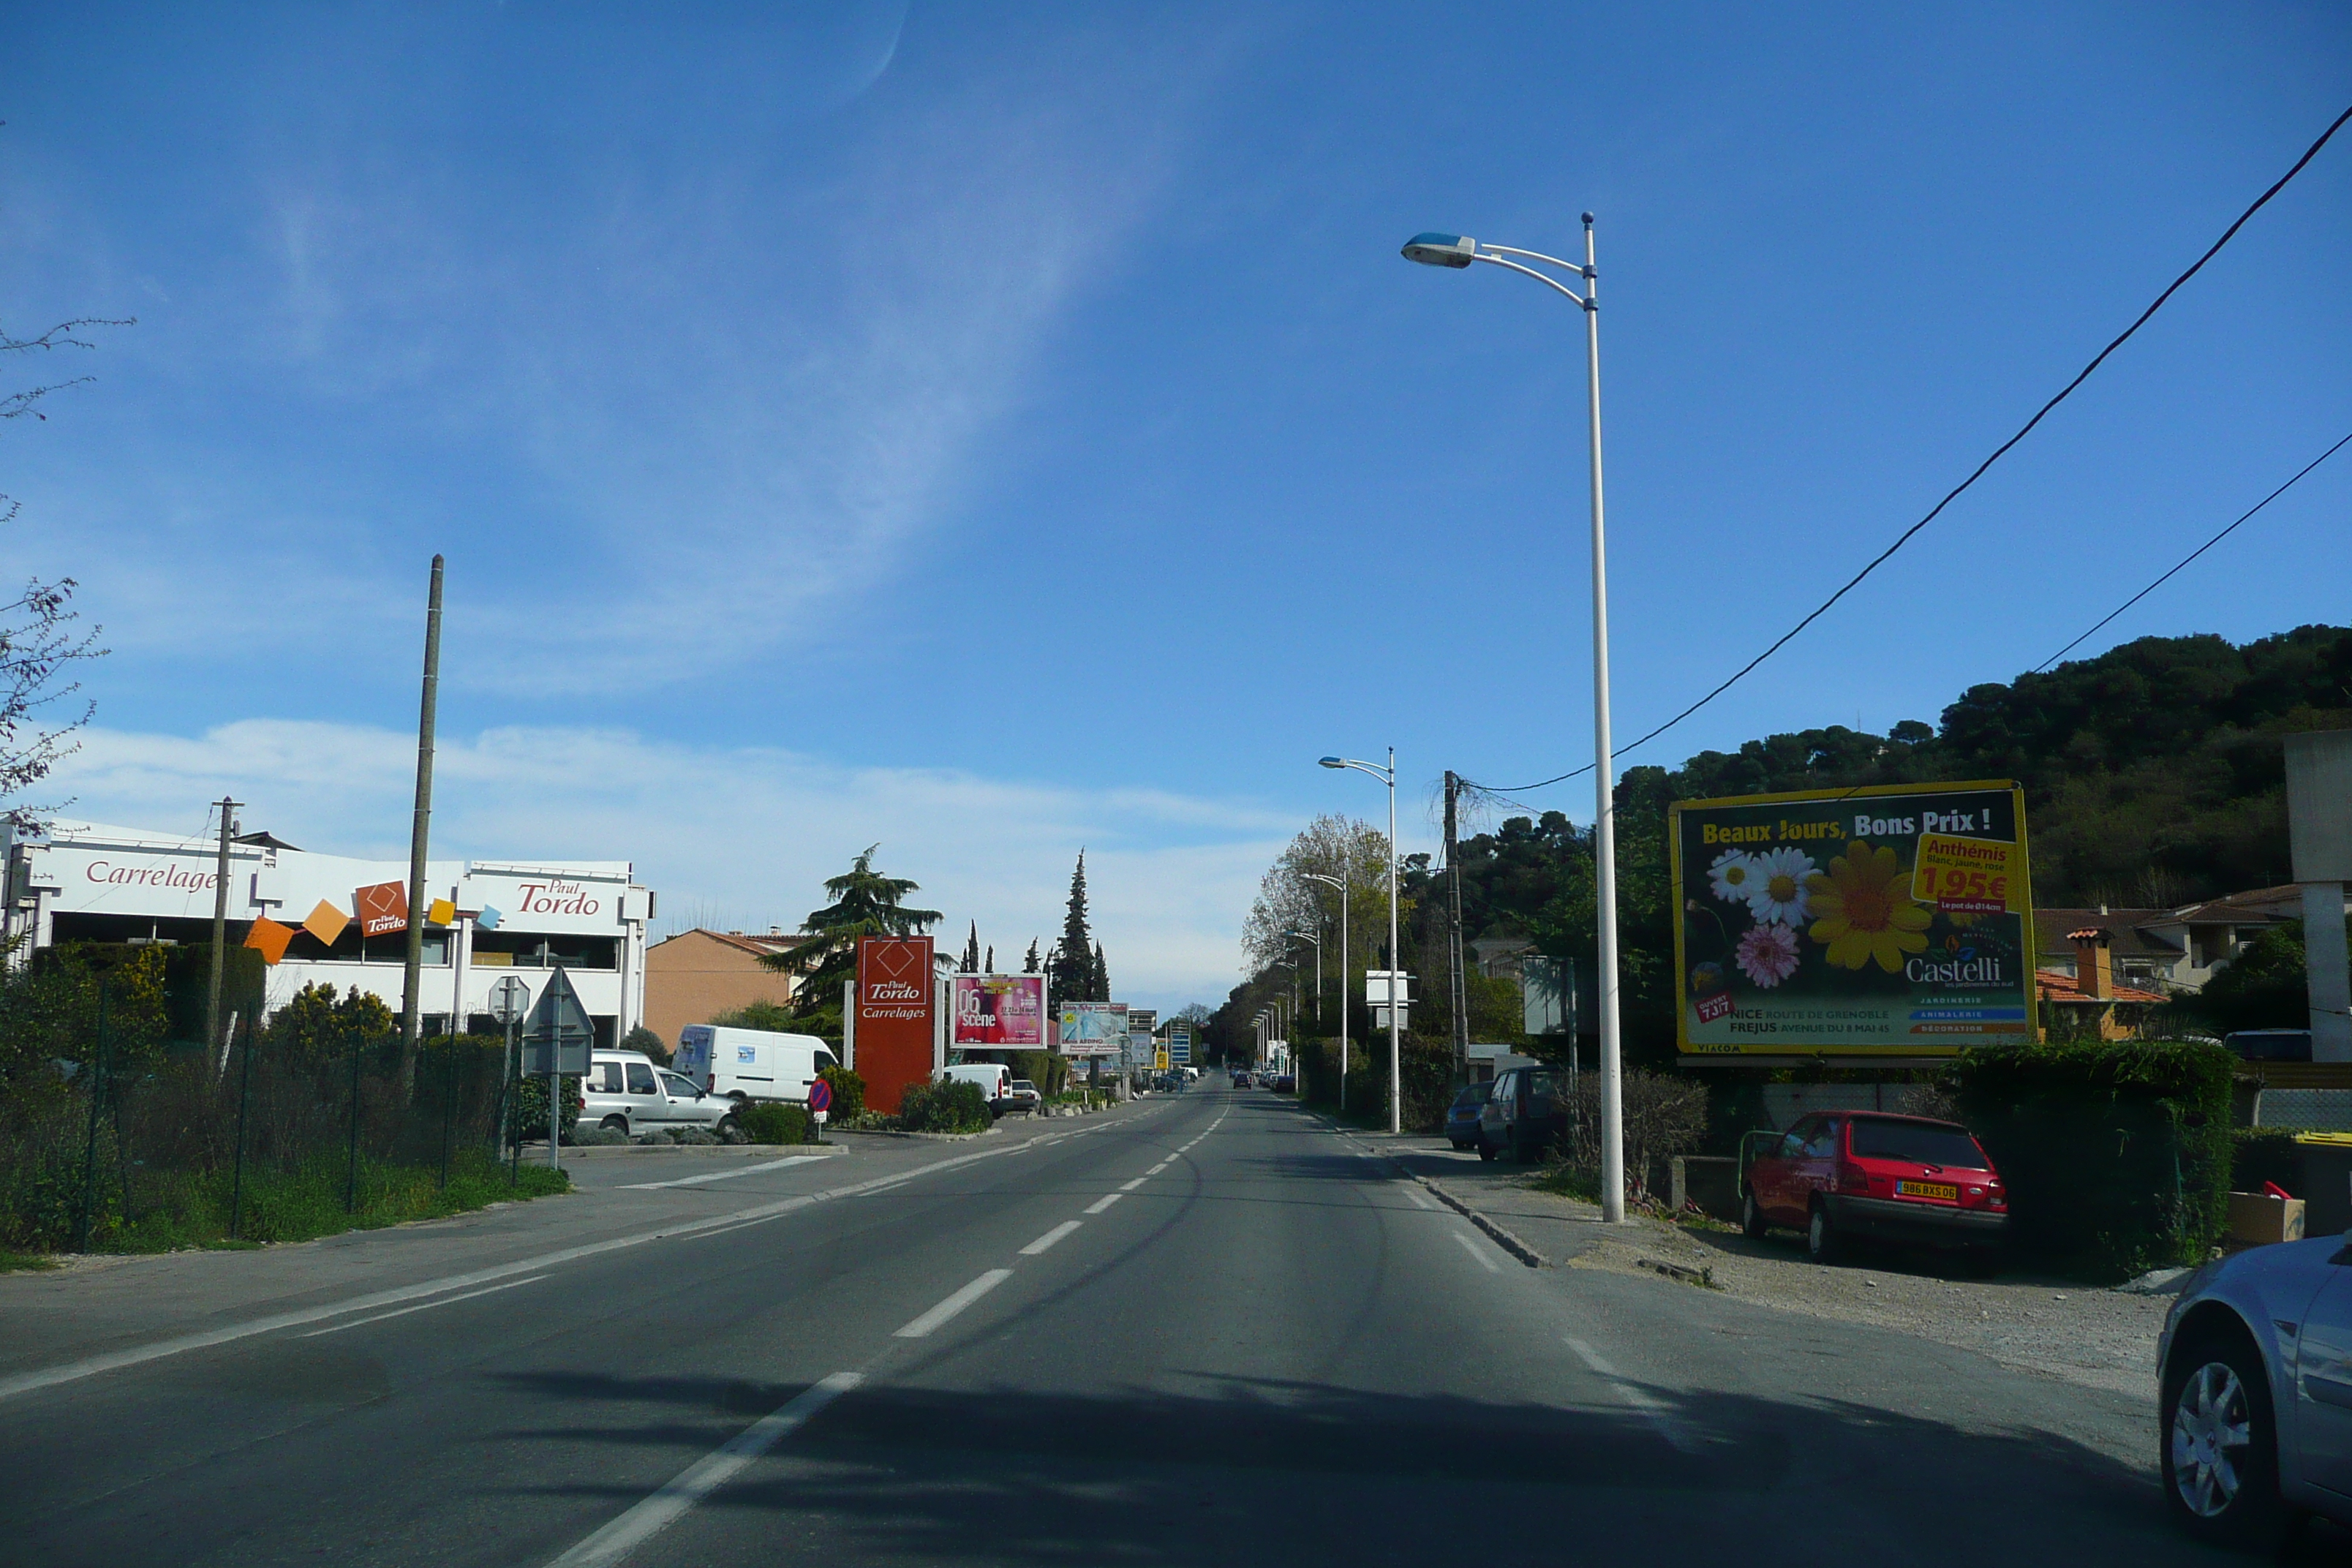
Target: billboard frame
{"x": 1786, "y": 1052}
{"x": 963, "y": 984}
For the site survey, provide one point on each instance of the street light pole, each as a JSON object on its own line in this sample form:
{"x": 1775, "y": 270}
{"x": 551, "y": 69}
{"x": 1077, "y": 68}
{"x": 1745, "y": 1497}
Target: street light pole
{"x": 1340, "y": 883}
{"x": 1396, "y": 1052}
{"x": 1458, "y": 252}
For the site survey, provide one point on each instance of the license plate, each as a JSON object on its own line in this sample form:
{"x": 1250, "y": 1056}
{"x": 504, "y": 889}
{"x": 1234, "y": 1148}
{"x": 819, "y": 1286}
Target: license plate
{"x": 1943, "y": 1190}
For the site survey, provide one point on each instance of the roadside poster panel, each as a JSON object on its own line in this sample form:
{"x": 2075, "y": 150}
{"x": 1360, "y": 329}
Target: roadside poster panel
{"x": 894, "y": 1016}
{"x": 1001, "y": 1010}
{"x": 1093, "y": 1028}
{"x": 1892, "y": 921}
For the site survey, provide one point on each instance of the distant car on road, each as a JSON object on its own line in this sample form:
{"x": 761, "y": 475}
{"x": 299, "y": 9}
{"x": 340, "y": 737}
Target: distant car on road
{"x": 993, "y": 1080}
{"x": 1022, "y": 1095}
{"x": 2254, "y": 1408}
{"x": 1285, "y": 1083}
{"x": 1526, "y": 1113}
{"x": 1895, "y": 1178}
{"x": 1462, "y": 1116}
{"x": 1241, "y": 1080}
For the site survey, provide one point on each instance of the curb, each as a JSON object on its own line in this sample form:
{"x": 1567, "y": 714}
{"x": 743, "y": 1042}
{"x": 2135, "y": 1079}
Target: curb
{"x": 1499, "y": 1234}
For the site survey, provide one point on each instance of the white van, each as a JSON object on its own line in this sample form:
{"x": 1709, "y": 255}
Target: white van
{"x": 751, "y": 1064}
{"x": 994, "y": 1079}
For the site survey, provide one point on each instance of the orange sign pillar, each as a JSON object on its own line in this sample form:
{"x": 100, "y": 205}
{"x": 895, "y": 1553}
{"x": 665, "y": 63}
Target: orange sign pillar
{"x": 895, "y": 997}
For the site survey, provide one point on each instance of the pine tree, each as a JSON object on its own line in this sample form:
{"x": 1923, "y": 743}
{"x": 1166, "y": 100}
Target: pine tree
{"x": 1072, "y": 967}
{"x": 1029, "y": 964}
{"x": 971, "y": 964}
{"x": 865, "y": 903}
{"x": 1102, "y": 974}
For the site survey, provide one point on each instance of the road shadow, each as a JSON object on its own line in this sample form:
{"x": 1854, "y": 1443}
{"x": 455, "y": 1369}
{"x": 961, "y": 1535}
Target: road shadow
{"x": 1249, "y": 1472}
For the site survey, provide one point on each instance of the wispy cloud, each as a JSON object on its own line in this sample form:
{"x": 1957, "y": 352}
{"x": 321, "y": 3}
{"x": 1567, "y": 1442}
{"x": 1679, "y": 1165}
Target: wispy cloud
{"x": 744, "y": 835}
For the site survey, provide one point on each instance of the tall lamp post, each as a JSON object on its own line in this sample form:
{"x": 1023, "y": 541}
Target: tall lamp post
{"x": 1459, "y": 251}
{"x": 1342, "y": 885}
{"x": 1317, "y": 940}
{"x": 1396, "y": 1082}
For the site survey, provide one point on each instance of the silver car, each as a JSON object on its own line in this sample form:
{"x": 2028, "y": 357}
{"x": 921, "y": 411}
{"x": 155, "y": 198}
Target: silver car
{"x": 2255, "y": 1410}
{"x": 628, "y": 1092}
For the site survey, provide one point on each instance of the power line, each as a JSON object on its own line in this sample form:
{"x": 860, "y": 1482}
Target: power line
{"x": 1999, "y": 452}
{"x": 2193, "y": 555}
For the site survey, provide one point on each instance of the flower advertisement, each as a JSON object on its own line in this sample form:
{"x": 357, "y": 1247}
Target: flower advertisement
{"x": 1893, "y": 920}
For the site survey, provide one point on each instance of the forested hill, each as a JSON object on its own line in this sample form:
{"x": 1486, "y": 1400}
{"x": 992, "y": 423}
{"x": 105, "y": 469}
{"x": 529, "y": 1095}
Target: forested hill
{"x": 2153, "y": 775}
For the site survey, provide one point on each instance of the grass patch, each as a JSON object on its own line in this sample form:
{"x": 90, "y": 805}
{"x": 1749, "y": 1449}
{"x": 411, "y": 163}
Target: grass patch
{"x": 26, "y": 1263}
{"x": 191, "y": 1208}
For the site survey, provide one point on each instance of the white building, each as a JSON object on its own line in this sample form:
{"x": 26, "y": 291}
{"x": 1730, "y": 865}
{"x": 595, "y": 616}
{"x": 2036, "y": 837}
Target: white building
{"x": 89, "y": 882}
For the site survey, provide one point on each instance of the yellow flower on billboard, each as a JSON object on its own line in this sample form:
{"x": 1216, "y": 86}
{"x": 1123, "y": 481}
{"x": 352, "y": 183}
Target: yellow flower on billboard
{"x": 1863, "y": 909}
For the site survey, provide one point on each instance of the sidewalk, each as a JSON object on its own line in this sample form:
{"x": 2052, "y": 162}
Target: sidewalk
{"x": 2085, "y": 1335}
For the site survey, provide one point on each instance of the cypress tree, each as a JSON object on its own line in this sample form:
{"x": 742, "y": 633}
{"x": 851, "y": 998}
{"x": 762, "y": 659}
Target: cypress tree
{"x": 1102, "y": 974}
{"x": 1072, "y": 968}
{"x": 1029, "y": 964}
{"x": 971, "y": 964}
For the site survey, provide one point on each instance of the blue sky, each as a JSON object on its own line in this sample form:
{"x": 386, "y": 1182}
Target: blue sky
{"x": 991, "y": 430}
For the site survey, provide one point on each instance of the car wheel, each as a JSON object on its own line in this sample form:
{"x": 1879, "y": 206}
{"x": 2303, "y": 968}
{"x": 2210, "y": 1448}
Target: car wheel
{"x": 1820, "y": 1235}
{"x": 615, "y": 1125}
{"x": 1751, "y": 1218}
{"x": 1485, "y": 1150}
{"x": 2221, "y": 1445}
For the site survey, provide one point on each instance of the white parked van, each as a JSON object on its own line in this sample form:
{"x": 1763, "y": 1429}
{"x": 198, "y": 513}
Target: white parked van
{"x": 994, "y": 1079}
{"x": 751, "y": 1064}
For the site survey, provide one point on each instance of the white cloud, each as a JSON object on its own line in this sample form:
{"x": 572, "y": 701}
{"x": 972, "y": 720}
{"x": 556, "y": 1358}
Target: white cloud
{"x": 744, "y": 836}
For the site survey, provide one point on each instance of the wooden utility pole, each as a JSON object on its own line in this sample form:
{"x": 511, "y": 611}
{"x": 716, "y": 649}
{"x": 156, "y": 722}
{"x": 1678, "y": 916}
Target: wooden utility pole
{"x": 412, "y": 971}
{"x": 1453, "y": 955}
{"x": 220, "y": 929}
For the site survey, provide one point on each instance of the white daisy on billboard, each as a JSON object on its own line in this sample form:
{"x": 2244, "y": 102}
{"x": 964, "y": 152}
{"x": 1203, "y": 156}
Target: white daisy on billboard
{"x": 1733, "y": 876}
{"x": 1776, "y": 890}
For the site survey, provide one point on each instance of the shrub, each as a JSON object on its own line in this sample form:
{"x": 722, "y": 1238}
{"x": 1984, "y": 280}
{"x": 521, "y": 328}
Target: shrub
{"x": 2259, "y": 1155}
{"x": 644, "y": 1039}
{"x": 943, "y": 1108}
{"x": 2117, "y": 1154}
{"x": 770, "y": 1122}
{"x": 848, "y": 1093}
{"x": 1664, "y": 1115}
{"x": 530, "y": 1107}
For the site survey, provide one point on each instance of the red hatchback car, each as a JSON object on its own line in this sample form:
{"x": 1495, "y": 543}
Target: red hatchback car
{"x": 1842, "y": 1173}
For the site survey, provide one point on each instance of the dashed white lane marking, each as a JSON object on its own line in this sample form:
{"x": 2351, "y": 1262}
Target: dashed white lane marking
{"x": 1157, "y": 1169}
{"x": 422, "y": 1306}
{"x": 1046, "y": 1242}
{"x": 1103, "y": 1202}
{"x": 1642, "y": 1400}
{"x": 954, "y": 1304}
{"x": 1419, "y": 1202}
{"x": 1474, "y": 1250}
{"x": 1131, "y": 1186}
{"x": 724, "y": 1176}
{"x": 632, "y": 1529}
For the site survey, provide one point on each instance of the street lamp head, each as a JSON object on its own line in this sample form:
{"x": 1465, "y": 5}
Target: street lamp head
{"x": 1334, "y": 761}
{"x": 1441, "y": 249}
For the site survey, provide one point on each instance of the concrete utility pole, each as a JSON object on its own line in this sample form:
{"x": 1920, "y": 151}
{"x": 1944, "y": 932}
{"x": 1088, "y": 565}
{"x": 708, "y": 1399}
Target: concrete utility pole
{"x": 220, "y": 927}
{"x": 419, "y": 831}
{"x": 1454, "y": 957}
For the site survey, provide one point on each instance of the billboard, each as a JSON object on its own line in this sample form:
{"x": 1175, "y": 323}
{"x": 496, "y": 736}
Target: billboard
{"x": 894, "y": 1016}
{"x": 1093, "y": 1028}
{"x": 1895, "y": 921}
{"x": 1000, "y": 1010}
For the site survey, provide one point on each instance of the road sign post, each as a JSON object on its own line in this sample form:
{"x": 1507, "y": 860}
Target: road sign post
{"x": 510, "y": 999}
{"x": 820, "y": 1101}
{"x": 556, "y": 1041}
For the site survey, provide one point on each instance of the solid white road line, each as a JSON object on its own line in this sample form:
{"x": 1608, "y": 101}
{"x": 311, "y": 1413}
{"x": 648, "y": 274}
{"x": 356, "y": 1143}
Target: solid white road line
{"x": 1131, "y": 1186}
{"x": 156, "y": 1350}
{"x": 725, "y": 1175}
{"x": 1103, "y": 1202}
{"x": 1044, "y": 1243}
{"x": 1474, "y": 1250}
{"x": 954, "y": 1304}
{"x": 623, "y": 1535}
{"x": 1641, "y": 1399}
{"x": 423, "y": 1307}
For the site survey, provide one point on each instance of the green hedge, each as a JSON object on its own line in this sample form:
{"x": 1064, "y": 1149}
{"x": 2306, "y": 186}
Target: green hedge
{"x": 2116, "y": 1155}
{"x": 848, "y": 1093}
{"x": 944, "y": 1108}
{"x": 2260, "y": 1154}
{"x": 769, "y": 1122}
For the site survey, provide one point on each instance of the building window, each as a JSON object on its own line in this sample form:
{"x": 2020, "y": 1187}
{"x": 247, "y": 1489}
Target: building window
{"x": 531, "y": 950}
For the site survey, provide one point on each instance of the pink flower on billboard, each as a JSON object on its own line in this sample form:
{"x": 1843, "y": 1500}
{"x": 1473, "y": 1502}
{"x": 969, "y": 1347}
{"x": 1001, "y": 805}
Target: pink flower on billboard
{"x": 1768, "y": 955}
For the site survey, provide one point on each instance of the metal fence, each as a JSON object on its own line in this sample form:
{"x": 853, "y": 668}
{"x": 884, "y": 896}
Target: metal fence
{"x": 141, "y": 1144}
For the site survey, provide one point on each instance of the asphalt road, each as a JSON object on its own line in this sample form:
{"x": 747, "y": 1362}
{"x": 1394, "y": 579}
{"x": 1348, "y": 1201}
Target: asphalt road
{"x": 1206, "y": 1328}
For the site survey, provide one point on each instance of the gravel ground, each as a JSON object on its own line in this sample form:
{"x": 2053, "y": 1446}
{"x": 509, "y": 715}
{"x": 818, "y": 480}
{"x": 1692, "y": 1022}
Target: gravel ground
{"x": 2097, "y": 1338}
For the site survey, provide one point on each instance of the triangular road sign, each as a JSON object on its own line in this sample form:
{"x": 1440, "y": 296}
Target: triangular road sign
{"x": 559, "y": 1023}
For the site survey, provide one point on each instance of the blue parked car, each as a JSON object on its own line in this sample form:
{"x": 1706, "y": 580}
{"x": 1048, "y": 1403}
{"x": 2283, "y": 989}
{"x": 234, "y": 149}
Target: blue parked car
{"x": 1462, "y": 1116}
